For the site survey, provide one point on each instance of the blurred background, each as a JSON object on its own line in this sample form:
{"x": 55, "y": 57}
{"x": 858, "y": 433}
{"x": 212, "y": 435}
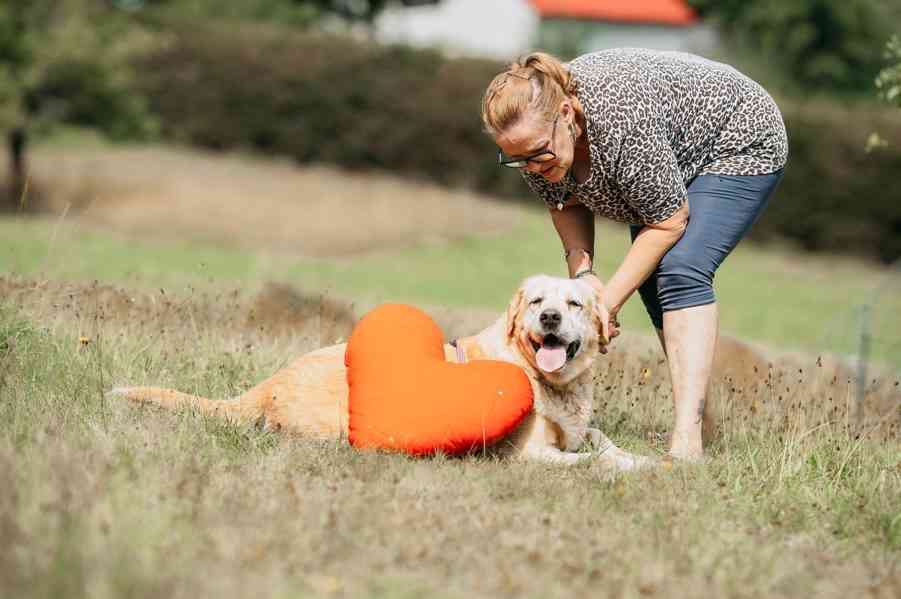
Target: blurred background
{"x": 334, "y": 147}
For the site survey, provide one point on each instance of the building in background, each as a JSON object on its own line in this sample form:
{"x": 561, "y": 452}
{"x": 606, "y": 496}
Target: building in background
{"x": 573, "y": 27}
{"x": 504, "y": 29}
{"x": 501, "y": 29}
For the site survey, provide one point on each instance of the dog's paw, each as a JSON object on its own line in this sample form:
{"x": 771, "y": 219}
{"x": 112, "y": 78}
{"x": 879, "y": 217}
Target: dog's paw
{"x": 623, "y": 461}
{"x": 594, "y": 437}
{"x": 641, "y": 462}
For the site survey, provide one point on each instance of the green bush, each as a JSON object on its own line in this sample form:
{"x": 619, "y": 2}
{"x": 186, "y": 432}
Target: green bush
{"x": 835, "y": 195}
{"x": 325, "y": 98}
{"x": 82, "y": 92}
{"x": 888, "y": 82}
{"x": 320, "y": 97}
{"x": 287, "y": 12}
{"x": 815, "y": 44}
{"x": 70, "y": 62}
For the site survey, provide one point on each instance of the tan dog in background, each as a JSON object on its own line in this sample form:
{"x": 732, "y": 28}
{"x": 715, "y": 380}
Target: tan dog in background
{"x": 551, "y": 329}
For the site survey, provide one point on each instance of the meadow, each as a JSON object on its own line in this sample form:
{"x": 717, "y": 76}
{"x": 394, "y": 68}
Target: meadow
{"x": 207, "y": 273}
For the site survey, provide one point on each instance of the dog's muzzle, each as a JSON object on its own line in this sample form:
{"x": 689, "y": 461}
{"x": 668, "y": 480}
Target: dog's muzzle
{"x": 550, "y": 320}
{"x": 553, "y": 352}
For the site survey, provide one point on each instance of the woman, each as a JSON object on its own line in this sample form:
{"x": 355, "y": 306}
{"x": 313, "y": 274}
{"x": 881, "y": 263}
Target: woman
{"x": 685, "y": 150}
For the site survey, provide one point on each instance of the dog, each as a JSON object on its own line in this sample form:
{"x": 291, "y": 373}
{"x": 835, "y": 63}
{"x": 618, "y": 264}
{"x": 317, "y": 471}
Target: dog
{"x": 551, "y": 329}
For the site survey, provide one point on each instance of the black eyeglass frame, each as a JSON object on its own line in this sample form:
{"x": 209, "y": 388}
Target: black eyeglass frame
{"x": 525, "y": 160}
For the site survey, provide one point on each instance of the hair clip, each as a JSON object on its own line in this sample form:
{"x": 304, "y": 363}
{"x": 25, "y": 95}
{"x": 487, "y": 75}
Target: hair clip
{"x": 518, "y": 76}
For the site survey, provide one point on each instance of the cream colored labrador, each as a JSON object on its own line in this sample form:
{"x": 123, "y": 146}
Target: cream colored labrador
{"x": 551, "y": 329}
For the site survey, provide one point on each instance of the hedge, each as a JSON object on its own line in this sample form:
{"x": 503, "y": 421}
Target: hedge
{"x": 325, "y": 98}
{"x": 328, "y": 98}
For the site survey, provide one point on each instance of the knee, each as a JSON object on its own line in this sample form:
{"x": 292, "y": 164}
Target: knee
{"x": 684, "y": 279}
{"x": 651, "y": 301}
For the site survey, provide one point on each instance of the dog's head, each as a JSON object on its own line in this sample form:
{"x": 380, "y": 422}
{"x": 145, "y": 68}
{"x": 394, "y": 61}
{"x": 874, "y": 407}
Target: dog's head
{"x": 555, "y": 324}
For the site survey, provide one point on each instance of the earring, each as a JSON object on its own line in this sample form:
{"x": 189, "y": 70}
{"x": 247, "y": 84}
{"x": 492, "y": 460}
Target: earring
{"x": 572, "y": 133}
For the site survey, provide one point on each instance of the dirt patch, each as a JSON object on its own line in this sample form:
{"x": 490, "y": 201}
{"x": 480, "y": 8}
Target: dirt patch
{"x": 166, "y": 193}
{"x": 272, "y": 312}
{"x": 275, "y": 311}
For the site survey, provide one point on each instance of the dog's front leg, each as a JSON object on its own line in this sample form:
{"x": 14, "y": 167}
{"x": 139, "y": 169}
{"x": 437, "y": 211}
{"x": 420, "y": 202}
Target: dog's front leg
{"x": 552, "y": 455}
{"x": 613, "y": 456}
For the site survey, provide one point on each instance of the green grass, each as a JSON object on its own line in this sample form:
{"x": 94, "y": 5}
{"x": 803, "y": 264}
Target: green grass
{"x": 101, "y": 499}
{"x": 771, "y": 295}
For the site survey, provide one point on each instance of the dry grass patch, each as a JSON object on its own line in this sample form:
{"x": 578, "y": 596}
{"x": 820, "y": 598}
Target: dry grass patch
{"x": 276, "y": 310}
{"x": 168, "y": 193}
{"x": 104, "y": 499}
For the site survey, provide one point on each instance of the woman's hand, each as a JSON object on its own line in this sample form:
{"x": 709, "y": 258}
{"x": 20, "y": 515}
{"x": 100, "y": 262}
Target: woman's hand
{"x": 609, "y": 323}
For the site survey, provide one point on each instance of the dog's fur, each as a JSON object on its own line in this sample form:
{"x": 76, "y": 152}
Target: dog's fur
{"x": 310, "y": 396}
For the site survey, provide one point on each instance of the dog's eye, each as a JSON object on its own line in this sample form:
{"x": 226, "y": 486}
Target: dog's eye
{"x": 536, "y": 301}
{"x": 574, "y": 304}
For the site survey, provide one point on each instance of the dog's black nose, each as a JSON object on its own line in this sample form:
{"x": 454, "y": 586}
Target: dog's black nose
{"x": 550, "y": 319}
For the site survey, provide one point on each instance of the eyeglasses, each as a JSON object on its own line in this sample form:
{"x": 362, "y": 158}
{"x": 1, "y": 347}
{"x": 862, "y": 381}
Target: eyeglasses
{"x": 543, "y": 155}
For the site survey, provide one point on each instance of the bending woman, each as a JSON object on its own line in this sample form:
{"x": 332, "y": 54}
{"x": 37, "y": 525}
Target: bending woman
{"x": 685, "y": 150}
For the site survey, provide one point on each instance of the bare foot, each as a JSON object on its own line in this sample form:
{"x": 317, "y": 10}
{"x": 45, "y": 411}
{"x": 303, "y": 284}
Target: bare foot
{"x": 687, "y": 457}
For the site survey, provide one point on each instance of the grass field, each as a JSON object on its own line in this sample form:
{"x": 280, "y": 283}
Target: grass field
{"x": 160, "y": 217}
{"x": 771, "y": 296}
{"x": 101, "y": 499}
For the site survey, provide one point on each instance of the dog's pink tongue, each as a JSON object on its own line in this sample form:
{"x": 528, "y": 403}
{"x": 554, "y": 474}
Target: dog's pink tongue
{"x": 549, "y": 359}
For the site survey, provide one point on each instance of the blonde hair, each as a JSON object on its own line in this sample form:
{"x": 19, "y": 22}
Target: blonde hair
{"x": 536, "y": 82}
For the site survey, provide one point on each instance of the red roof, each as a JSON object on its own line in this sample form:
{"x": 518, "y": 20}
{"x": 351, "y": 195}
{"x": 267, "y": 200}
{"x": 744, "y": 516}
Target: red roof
{"x": 669, "y": 12}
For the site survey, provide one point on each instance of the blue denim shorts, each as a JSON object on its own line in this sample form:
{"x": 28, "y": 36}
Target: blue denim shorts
{"x": 722, "y": 209}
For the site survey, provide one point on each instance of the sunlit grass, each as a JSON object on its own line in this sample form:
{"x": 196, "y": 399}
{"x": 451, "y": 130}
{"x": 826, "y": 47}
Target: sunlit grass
{"x": 771, "y": 295}
{"x": 103, "y": 499}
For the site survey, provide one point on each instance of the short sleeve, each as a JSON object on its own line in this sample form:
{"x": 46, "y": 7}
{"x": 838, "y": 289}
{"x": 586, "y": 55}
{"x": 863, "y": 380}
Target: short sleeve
{"x": 550, "y": 193}
{"x": 649, "y": 176}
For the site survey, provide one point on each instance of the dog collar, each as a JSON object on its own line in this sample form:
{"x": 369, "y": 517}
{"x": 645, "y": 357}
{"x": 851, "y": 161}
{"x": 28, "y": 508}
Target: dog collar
{"x": 467, "y": 349}
{"x": 461, "y": 353}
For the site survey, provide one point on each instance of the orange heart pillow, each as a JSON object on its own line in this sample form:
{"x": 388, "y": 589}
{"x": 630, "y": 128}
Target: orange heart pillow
{"x": 405, "y": 396}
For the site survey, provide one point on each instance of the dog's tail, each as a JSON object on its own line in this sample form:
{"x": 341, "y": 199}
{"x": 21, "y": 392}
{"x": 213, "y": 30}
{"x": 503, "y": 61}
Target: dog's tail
{"x": 243, "y": 409}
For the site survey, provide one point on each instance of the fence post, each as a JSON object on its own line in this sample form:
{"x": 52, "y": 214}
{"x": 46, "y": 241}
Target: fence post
{"x": 862, "y": 357}
{"x": 866, "y": 339}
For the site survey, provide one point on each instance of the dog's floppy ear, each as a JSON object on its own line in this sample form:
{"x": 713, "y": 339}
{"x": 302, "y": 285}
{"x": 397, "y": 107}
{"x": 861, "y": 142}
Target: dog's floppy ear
{"x": 514, "y": 310}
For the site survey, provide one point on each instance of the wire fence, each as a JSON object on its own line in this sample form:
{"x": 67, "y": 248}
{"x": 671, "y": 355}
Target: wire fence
{"x": 878, "y": 343}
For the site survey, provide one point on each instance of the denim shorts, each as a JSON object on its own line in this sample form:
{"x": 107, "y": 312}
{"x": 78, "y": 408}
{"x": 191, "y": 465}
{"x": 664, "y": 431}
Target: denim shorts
{"x": 722, "y": 209}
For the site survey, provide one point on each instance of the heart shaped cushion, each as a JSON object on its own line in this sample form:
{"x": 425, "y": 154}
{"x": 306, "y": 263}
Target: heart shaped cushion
{"x": 405, "y": 396}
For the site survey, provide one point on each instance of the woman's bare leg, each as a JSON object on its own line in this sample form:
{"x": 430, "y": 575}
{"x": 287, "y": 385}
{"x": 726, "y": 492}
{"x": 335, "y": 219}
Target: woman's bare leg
{"x": 689, "y": 337}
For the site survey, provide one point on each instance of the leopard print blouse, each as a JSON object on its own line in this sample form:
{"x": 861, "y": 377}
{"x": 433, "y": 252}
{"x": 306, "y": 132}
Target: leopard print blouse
{"x": 655, "y": 121}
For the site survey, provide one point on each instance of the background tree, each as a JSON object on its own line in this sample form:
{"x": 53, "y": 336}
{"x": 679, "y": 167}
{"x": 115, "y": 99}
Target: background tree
{"x": 361, "y": 10}
{"x": 829, "y": 45}
{"x": 65, "y": 61}
{"x": 291, "y": 12}
{"x": 889, "y": 79}
{"x": 888, "y": 84}
{"x": 296, "y": 13}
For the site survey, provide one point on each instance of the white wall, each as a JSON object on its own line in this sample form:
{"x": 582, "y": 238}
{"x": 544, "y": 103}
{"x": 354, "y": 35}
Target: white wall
{"x": 699, "y": 38}
{"x": 501, "y": 29}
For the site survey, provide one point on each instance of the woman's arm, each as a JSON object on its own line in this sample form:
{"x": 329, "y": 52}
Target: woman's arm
{"x": 575, "y": 226}
{"x": 652, "y": 242}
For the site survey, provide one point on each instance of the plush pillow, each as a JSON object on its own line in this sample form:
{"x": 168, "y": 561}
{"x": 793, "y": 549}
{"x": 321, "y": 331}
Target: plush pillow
{"x": 405, "y": 396}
